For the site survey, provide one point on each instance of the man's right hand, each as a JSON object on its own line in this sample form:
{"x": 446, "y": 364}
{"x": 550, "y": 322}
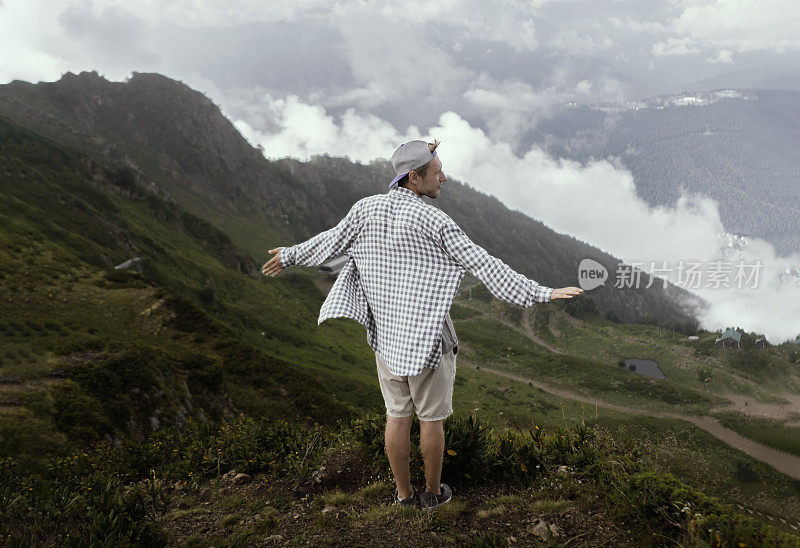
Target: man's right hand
{"x": 273, "y": 267}
{"x": 565, "y": 293}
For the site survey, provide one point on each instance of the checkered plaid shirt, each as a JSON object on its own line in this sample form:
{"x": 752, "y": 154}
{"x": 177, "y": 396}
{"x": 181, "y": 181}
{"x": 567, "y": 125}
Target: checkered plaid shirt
{"x": 406, "y": 262}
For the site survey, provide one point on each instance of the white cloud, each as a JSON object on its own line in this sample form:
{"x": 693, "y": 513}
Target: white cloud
{"x": 394, "y": 61}
{"x": 508, "y": 109}
{"x": 508, "y": 21}
{"x": 742, "y": 25}
{"x": 114, "y": 36}
{"x": 644, "y": 27}
{"x": 722, "y": 56}
{"x": 597, "y": 203}
{"x": 305, "y": 130}
{"x": 21, "y": 29}
{"x": 675, "y": 46}
{"x": 771, "y": 307}
{"x": 200, "y": 13}
{"x": 572, "y": 43}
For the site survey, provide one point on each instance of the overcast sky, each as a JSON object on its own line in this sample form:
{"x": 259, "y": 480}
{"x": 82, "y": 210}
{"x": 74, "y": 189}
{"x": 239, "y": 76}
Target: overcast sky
{"x": 356, "y": 78}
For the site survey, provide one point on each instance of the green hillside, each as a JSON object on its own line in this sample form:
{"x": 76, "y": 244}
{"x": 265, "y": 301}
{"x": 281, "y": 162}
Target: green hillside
{"x": 116, "y": 382}
{"x": 175, "y": 140}
{"x": 198, "y": 327}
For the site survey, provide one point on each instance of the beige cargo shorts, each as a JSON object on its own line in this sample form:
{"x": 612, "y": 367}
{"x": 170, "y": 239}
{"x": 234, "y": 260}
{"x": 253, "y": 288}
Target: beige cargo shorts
{"x": 430, "y": 393}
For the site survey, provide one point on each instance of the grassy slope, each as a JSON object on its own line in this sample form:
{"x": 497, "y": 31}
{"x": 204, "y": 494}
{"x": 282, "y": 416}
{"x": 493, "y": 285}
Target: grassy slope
{"x": 494, "y": 336}
{"x": 60, "y": 232}
{"x": 497, "y": 336}
{"x": 58, "y": 302}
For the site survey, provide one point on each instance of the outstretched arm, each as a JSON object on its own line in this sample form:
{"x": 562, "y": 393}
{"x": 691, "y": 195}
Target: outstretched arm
{"x": 318, "y": 249}
{"x": 501, "y": 280}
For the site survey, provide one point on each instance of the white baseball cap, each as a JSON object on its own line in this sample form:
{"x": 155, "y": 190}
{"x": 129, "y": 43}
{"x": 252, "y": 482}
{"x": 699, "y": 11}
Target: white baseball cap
{"x": 410, "y": 156}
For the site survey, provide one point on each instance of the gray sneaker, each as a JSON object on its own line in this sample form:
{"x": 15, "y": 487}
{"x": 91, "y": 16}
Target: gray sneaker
{"x": 429, "y": 501}
{"x": 410, "y": 501}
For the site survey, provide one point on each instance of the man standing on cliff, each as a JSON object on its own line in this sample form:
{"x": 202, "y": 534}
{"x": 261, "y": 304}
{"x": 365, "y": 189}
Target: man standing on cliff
{"x": 407, "y": 259}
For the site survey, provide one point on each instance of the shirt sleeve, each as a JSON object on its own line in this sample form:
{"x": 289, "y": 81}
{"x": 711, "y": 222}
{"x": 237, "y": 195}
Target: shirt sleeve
{"x": 325, "y": 245}
{"x": 500, "y": 279}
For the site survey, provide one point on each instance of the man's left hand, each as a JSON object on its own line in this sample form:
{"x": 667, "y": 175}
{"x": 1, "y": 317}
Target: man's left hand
{"x": 565, "y": 293}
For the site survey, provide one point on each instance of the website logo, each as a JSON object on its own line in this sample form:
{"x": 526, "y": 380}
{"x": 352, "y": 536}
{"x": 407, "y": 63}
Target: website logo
{"x": 591, "y": 274}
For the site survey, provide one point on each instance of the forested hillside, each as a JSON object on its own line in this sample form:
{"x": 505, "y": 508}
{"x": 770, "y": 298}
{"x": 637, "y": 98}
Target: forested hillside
{"x": 737, "y": 146}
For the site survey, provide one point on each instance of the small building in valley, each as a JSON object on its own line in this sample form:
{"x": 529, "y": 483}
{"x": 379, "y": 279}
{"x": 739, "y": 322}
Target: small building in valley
{"x": 731, "y": 338}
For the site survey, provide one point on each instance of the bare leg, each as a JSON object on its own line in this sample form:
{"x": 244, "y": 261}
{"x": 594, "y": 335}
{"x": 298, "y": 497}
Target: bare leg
{"x": 398, "y": 449}
{"x": 431, "y": 435}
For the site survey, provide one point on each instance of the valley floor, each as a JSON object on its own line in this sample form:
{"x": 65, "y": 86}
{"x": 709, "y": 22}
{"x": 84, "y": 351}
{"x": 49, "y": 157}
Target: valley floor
{"x": 781, "y": 461}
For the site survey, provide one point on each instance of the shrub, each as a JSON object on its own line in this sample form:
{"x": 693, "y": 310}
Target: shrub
{"x": 703, "y": 373}
{"x": 468, "y": 450}
{"x": 190, "y": 318}
{"x": 584, "y": 306}
{"x": 76, "y": 343}
{"x": 79, "y": 415}
{"x": 745, "y": 471}
{"x": 122, "y": 278}
{"x": 205, "y": 371}
{"x": 475, "y": 453}
{"x": 83, "y": 509}
{"x": 135, "y": 366}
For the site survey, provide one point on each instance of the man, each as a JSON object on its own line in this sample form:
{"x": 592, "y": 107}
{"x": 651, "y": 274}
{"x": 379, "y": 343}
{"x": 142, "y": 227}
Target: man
{"x": 407, "y": 259}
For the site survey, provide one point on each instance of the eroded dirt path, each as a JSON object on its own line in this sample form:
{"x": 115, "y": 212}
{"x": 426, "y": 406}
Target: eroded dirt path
{"x": 526, "y": 321}
{"x": 784, "y": 463}
{"x": 750, "y": 406}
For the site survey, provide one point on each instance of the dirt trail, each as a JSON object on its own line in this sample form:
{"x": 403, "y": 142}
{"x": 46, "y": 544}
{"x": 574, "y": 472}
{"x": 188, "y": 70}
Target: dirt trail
{"x": 750, "y": 406}
{"x": 784, "y": 463}
{"x": 789, "y": 411}
{"x": 526, "y": 321}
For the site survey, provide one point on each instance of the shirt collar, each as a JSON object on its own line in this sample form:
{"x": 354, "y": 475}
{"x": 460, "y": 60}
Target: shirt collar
{"x": 406, "y": 193}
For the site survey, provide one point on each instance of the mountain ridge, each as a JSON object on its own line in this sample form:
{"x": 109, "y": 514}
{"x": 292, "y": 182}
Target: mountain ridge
{"x": 178, "y": 139}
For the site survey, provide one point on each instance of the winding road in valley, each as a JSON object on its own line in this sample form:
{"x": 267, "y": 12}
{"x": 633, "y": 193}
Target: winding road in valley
{"x": 784, "y": 463}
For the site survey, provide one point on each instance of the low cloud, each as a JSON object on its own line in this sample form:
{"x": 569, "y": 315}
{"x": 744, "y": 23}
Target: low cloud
{"x": 20, "y": 33}
{"x": 722, "y": 56}
{"x": 304, "y": 130}
{"x": 742, "y": 26}
{"x": 675, "y": 46}
{"x": 572, "y": 43}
